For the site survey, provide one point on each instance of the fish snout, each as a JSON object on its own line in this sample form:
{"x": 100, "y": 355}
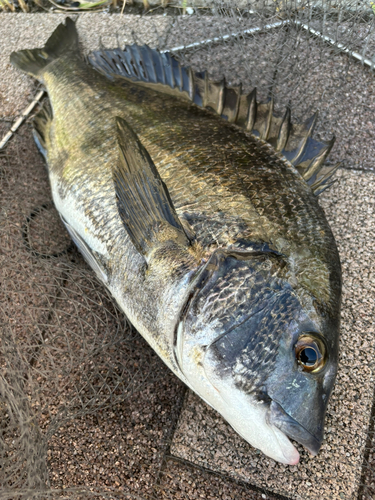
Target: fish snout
{"x": 293, "y": 429}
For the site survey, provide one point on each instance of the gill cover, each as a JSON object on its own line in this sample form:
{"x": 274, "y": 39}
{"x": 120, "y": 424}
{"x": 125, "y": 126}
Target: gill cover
{"x": 236, "y": 344}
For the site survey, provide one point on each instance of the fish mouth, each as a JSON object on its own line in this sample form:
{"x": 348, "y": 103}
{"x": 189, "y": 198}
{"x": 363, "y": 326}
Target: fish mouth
{"x": 293, "y": 429}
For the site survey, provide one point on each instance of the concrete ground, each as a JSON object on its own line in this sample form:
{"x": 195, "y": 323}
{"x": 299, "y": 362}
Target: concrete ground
{"x": 160, "y": 440}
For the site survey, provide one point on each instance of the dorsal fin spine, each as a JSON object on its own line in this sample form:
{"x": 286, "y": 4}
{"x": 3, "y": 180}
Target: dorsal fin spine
{"x": 232, "y": 96}
{"x": 159, "y": 70}
{"x": 140, "y": 63}
{"x": 206, "y": 91}
{"x": 239, "y": 93}
{"x": 148, "y": 61}
{"x": 284, "y": 131}
{"x": 221, "y": 99}
{"x": 169, "y": 80}
{"x": 171, "y": 72}
{"x": 311, "y": 122}
{"x": 316, "y": 164}
{"x": 178, "y": 69}
{"x": 191, "y": 84}
{"x": 267, "y": 125}
{"x": 323, "y": 181}
{"x": 252, "y": 113}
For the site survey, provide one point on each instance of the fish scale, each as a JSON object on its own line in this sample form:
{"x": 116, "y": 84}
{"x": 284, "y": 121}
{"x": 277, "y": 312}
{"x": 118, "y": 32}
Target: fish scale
{"x": 197, "y": 207}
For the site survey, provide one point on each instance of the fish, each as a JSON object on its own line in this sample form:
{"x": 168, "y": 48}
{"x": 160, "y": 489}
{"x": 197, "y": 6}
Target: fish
{"x": 197, "y": 207}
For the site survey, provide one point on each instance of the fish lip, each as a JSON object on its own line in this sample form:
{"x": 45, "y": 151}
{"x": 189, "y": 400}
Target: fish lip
{"x": 293, "y": 429}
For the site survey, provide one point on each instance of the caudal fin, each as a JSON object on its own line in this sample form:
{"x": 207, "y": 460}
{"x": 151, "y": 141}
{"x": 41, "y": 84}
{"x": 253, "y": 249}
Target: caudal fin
{"x": 64, "y": 39}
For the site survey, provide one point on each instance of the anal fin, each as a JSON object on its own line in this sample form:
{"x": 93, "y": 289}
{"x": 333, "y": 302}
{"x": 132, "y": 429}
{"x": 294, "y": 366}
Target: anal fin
{"x": 41, "y": 127}
{"x": 143, "y": 201}
{"x": 86, "y": 252}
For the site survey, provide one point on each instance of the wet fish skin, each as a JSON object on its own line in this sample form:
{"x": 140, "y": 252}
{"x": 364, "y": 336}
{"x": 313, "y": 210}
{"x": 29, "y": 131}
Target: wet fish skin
{"x": 253, "y": 266}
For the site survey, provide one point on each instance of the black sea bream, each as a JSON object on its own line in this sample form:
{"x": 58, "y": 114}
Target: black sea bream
{"x": 197, "y": 207}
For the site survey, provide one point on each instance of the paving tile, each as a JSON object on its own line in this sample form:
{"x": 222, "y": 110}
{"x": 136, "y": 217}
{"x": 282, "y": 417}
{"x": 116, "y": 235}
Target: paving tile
{"x": 181, "y": 481}
{"x": 311, "y": 79}
{"x": 202, "y": 437}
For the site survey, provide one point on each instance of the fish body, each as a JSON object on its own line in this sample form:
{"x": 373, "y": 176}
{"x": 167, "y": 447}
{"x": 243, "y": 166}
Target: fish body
{"x": 207, "y": 231}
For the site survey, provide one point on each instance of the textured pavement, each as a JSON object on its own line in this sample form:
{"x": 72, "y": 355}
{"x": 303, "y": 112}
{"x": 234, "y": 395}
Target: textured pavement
{"x": 336, "y": 471}
{"x": 163, "y": 441}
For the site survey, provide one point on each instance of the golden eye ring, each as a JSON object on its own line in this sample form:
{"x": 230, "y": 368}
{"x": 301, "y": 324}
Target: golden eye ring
{"x": 310, "y": 353}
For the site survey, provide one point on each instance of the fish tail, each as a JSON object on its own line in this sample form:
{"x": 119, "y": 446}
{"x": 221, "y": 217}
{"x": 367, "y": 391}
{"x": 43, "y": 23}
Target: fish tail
{"x": 34, "y": 62}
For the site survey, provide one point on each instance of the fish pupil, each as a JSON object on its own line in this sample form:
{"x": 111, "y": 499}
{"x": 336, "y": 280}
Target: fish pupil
{"x": 308, "y": 356}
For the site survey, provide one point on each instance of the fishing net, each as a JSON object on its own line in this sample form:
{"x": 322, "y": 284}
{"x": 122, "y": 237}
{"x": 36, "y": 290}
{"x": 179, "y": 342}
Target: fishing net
{"x": 86, "y": 408}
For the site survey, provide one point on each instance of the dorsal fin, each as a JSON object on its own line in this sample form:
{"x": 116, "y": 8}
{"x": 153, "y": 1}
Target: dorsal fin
{"x": 163, "y": 72}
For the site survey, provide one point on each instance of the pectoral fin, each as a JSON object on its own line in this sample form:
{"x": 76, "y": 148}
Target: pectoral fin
{"x": 143, "y": 201}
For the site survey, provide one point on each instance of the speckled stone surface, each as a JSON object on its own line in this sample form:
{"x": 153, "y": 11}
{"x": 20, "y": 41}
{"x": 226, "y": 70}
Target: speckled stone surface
{"x": 205, "y": 439}
{"x": 182, "y": 481}
{"x": 123, "y": 449}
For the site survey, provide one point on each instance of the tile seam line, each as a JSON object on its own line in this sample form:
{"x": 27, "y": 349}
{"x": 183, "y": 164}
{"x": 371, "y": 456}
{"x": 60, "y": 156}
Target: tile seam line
{"x": 365, "y": 469}
{"x": 169, "y": 440}
{"x": 248, "y": 486}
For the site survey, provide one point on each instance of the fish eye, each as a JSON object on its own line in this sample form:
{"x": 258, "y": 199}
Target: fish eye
{"x": 310, "y": 353}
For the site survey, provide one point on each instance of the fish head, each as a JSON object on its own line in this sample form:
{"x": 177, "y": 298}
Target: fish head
{"x": 257, "y": 352}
